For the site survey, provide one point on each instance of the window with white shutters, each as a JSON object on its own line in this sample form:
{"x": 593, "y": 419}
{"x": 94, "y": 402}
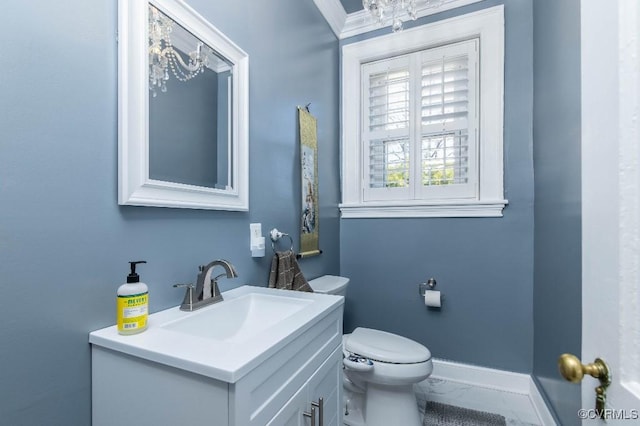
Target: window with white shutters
{"x": 422, "y": 120}
{"x": 419, "y": 124}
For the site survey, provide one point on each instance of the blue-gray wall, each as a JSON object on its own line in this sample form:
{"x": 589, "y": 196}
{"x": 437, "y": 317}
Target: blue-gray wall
{"x": 224, "y": 79}
{"x": 64, "y": 241}
{"x": 484, "y": 266}
{"x": 557, "y": 252}
{"x": 183, "y": 134}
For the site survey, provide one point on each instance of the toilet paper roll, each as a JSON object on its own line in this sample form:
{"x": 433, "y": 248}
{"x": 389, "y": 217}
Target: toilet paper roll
{"x": 432, "y": 298}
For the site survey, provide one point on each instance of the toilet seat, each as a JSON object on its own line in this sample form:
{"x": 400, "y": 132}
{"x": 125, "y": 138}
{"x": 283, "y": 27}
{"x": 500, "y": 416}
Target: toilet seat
{"x": 374, "y": 356}
{"x": 385, "y": 347}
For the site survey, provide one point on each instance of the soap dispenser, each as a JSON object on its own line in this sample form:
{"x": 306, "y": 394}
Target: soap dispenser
{"x": 133, "y": 303}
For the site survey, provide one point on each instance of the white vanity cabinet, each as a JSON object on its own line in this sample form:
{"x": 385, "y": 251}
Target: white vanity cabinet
{"x": 319, "y": 397}
{"x": 282, "y": 389}
{"x": 133, "y": 383}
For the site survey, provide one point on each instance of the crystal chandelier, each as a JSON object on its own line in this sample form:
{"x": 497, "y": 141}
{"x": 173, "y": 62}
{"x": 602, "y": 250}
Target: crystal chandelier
{"x": 164, "y": 57}
{"x": 396, "y": 10}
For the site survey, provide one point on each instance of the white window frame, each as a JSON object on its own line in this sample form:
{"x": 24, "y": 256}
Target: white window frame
{"x": 488, "y": 27}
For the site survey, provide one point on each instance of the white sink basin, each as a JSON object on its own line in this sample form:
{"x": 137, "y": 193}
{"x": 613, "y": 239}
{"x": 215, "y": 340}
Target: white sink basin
{"x": 228, "y": 339}
{"x": 238, "y": 319}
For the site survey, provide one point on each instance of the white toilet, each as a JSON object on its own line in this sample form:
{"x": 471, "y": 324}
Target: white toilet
{"x": 380, "y": 370}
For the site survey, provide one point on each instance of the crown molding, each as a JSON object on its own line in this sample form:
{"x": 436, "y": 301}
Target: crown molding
{"x": 348, "y": 25}
{"x": 333, "y": 13}
{"x": 361, "y": 22}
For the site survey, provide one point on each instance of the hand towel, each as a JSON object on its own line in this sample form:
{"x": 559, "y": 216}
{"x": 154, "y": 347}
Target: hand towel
{"x": 285, "y": 273}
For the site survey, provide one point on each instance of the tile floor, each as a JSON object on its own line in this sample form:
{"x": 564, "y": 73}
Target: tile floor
{"x": 517, "y": 408}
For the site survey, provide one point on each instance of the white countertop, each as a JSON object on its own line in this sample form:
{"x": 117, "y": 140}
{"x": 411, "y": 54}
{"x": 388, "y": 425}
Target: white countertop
{"x": 225, "y": 360}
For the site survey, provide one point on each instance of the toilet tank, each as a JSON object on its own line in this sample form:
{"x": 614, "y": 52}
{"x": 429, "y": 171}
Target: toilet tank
{"x": 330, "y": 284}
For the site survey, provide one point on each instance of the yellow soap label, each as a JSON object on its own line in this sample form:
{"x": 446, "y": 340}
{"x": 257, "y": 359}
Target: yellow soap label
{"x": 133, "y": 311}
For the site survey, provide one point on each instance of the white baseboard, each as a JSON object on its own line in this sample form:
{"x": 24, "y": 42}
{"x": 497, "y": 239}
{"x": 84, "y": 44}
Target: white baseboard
{"x": 481, "y": 376}
{"x": 500, "y": 380}
{"x": 539, "y": 405}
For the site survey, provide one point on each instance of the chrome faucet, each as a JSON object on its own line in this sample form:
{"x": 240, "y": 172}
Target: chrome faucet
{"x": 206, "y": 290}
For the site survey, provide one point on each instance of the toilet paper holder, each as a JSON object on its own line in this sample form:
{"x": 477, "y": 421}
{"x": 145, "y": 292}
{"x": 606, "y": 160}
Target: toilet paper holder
{"x": 429, "y": 285}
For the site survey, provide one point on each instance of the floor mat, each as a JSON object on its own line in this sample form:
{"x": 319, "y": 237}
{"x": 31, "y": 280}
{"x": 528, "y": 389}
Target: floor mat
{"x": 437, "y": 414}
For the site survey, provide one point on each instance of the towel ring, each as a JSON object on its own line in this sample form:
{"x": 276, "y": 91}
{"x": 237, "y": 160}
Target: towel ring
{"x": 276, "y": 235}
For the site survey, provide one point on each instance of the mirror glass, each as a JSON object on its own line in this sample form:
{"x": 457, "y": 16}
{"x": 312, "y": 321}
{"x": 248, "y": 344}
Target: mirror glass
{"x": 189, "y": 107}
{"x": 182, "y": 110}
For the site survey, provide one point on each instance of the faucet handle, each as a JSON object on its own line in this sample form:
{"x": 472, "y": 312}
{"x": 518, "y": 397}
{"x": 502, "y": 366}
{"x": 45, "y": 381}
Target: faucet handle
{"x": 187, "y": 303}
{"x": 189, "y": 286}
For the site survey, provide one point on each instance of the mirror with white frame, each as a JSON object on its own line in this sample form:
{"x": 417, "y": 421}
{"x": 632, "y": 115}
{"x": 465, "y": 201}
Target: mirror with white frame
{"x": 182, "y": 110}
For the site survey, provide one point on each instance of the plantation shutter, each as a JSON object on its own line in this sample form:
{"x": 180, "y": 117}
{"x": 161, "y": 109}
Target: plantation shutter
{"x": 387, "y": 128}
{"x": 448, "y": 136}
{"x": 419, "y": 125}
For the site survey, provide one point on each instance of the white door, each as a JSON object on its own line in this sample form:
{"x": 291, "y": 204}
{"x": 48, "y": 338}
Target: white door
{"x": 610, "y": 55}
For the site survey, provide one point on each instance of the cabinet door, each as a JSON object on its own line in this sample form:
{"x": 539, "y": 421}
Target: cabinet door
{"x": 326, "y": 383}
{"x": 291, "y": 413}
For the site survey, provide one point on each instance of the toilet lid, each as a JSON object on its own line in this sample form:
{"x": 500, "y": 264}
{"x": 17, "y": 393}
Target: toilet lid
{"x": 329, "y": 284}
{"x": 386, "y": 347}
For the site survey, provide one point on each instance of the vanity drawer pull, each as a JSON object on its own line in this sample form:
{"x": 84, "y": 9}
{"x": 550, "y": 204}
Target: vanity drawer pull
{"x": 320, "y": 406}
{"x": 312, "y": 415}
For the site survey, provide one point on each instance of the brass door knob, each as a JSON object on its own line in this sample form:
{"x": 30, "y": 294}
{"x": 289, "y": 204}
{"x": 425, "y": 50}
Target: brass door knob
{"x": 573, "y": 370}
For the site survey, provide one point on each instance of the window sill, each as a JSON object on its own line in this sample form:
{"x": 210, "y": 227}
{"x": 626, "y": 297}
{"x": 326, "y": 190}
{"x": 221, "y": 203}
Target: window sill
{"x": 463, "y": 208}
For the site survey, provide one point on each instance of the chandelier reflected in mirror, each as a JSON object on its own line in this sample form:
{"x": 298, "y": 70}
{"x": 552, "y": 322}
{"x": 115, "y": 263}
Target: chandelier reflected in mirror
{"x": 163, "y": 56}
{"x": 397, "y": 11}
